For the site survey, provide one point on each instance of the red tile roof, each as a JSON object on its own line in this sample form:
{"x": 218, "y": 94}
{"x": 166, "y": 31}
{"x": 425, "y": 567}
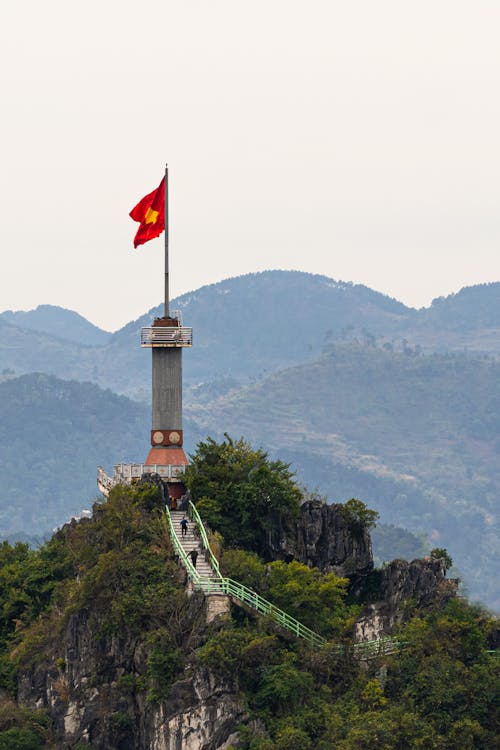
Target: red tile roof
{"x": 171, "y": 456}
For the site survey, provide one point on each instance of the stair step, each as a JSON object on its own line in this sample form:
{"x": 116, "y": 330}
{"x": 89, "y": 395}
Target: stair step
{"x": 189, "y": 541}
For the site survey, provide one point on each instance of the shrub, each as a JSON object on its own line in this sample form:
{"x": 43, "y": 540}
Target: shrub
{"x": 20, "y": 739}
{"x": 442, "y": 554}
{"x": 358, "y": 516}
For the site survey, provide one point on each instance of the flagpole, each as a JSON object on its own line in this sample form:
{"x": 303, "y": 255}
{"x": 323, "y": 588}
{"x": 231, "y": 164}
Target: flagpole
{"x": 167, "y": 232}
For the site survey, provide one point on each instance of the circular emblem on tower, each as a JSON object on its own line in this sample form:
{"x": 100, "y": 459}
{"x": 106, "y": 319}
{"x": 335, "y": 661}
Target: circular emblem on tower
{"x": 166, "y": 438}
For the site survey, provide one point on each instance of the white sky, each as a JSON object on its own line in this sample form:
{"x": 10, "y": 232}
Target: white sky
{"x": 355, "y": 139}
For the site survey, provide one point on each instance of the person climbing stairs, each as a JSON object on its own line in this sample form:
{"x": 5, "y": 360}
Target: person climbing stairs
{"x": 206, "y": 577}
{"x": 191, "y": 541}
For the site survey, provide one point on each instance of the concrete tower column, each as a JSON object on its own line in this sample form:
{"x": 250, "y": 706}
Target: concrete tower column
{"x": 167, "y": 390}
{"x": 167, "y": 338}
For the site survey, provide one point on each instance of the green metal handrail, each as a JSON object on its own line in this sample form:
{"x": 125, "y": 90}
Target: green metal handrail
{"x": 192, "y": 572}
{"x": 257, "y": 602}
{"x": 219, "y": 584}
{"x": 222, "y": 585}
{"x": 204, "y": 537}
{"x": 379, "y": 647}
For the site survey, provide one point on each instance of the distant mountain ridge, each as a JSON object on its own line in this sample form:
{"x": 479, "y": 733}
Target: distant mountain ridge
{"x": 59, "y": 322}
{"x": 53, "y": 435}
{"x": 255, "y": 324}
{"x": 468, "y": 309}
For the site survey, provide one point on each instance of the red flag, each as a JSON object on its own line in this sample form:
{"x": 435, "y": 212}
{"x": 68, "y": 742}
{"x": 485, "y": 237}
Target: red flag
{"x": 150, "y": 212}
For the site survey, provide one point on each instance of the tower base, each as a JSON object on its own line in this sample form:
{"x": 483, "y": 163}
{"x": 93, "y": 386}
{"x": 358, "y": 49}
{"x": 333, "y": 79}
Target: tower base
{"x": 169, "y": 463}
{"x": 172, "y": 455}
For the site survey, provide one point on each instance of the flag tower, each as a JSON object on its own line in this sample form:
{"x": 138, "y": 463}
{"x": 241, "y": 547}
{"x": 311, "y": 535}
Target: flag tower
{"x": 166, "y": 338}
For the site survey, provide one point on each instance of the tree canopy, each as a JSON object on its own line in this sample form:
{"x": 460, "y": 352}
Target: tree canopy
{"x": 239, "y": 491}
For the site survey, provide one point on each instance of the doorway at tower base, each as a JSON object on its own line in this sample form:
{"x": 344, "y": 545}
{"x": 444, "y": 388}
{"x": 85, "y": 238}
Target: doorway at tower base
{"x": 170, "y": 456}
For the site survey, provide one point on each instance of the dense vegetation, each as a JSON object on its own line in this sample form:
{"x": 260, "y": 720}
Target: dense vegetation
{"x": 116, "y": 574}
{"x": 240, "y": 492}
{"x": 117, "y": 571}
{"x": 439, "y": 693}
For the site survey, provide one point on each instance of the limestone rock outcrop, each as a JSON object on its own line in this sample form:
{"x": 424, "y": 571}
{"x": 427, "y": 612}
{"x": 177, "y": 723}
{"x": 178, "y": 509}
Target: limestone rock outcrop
{"x": 86, "y": 684}
{"x": 323, "y": 538}
{"x": 403, "y": 588}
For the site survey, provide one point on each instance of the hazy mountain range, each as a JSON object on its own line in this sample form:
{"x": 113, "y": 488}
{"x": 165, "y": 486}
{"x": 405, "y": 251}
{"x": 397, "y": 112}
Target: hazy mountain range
{"x": 364, "y": 396}
{"x": 58, "y": 322}
{"x": 250, "y": 326}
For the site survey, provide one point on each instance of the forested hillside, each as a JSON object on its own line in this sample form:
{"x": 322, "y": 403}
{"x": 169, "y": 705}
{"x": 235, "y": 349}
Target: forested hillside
{"x": 53, "y": 435}
{"x": 416, "y": 435}
{"x": 101, "y": 647}
{"x": 363, "y": 396}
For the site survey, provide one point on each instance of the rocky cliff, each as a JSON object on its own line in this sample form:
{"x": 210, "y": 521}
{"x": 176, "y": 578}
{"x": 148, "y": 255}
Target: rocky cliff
{"x": 403, "y": 588}
{"x": 88, "y": 684}
{"x": 324, "y": 538}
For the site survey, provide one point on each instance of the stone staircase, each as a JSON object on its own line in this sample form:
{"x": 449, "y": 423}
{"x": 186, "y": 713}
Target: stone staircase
{"x": 192, "y": 541}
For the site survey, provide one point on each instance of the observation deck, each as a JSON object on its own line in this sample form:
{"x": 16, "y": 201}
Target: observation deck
{"x": 167, "y": 333}
{"x": 131, "y": 473}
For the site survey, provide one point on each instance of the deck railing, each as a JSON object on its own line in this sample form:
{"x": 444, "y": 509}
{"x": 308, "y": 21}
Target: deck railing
{"x": 127, "y": 472}
{"x": 165, "y": 336}
{"x": 379, "y": 647}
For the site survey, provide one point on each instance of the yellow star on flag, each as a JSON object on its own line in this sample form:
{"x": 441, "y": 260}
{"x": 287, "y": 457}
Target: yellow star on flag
{"x": 151, "y": 216}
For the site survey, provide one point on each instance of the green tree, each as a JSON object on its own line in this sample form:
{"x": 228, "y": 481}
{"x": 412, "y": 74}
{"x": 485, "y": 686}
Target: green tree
{"x": 240, "y": 491}
{"x": 247, "y": 568}
{"x": 358, "y": 515}
{"x": 445, "y": 674}
{"x": 238, "y": 653}
{"x": 316, "y": 599}
{"x": 283, "y": 687}
{"x": 20, "y": 739}
{"x": 442, "y": 554}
